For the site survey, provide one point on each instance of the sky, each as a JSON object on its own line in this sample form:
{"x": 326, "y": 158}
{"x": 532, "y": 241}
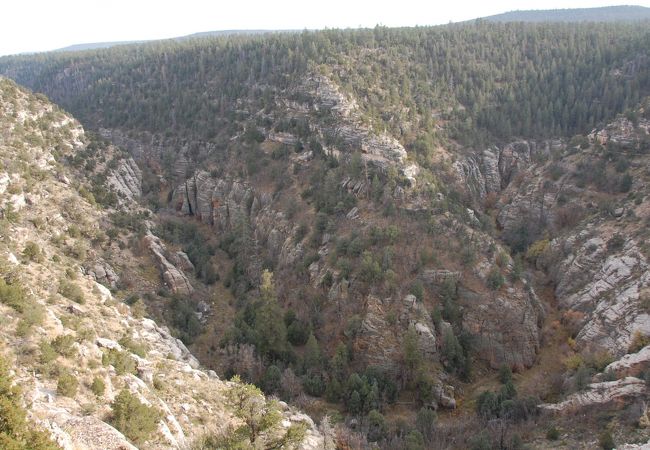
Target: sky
{"x": 41, "y": 25}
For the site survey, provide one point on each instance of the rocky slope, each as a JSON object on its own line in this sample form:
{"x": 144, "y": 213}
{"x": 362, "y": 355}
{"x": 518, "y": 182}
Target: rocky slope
{"x": 581, "y": 210}
{"x": 61, "y": 323}
{"x": 379, "y": 242}
{"x": 598, "y": 259}
{"x": 226, "y": 200}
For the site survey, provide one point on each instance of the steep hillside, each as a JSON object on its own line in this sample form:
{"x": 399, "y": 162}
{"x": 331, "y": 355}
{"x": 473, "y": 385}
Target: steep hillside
{"x": 369, "y": 224}
{"x": 87, "y": 364}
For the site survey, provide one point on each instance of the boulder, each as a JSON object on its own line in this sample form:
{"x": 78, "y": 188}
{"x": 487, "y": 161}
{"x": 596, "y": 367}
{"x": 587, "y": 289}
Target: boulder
{"x": 633, "y": 364}
{"x": 107, "y": 343}
{"x": 103, "y": 273}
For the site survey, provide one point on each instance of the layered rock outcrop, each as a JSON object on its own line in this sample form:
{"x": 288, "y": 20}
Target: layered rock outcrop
{"x": 126, "y": 181}
{"x": 633, "y": 364}
{"x": 604, "y": 286}
{"x": 493, "y": 169}
{"x": 506, "y": 325}
{"x": 595, "y": 394}
{"x": 231, "y": 205}
{"x": 103, "y": 273}
{"x": 384, "y": 326}
{"x": 349, "y": 133}
{"x": 174, "y": 278}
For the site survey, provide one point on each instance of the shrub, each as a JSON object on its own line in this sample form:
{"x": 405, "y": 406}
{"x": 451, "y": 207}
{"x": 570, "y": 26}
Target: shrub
{"x": 71, "y": 291}
{"x": 132, "y": 418}
{"x": 138, "y": 309}
{"x": 425, "y": 422}
{"x": 158, "y": 384}
{"x": 87, "y": 195}
{"x": 555, "y": 171}
{"x": 552, "y": 434}
{"x": 260, "y": 420}
{"x": 536, "y": 249}
{"x": 502, "y": 259}
{"x": 33, "y": 314}
{"x": 487, "y": 405}
{"x": 599, "y": 360}
{"x": 32, "y": 251}
{"x": 48, "y": 354}
{"x": 505, "y": 374}
{"x": 67, "y": 385}
{"x": 480, "y": 441}
{"x": 582, "y": 378}
{"x": 639, "y": 340}
{"x": 417, "y": 289}
{"x": 135, "y": 347}
{"x": 15, "y": 431}
{"x": 494, "y": 279}
{"x": 573, "y": 362}
{"x": 376, "y": 426}
{"x": 625, "y": 183}
{"x": 98, "y": 386}
{"x": 569, "y": 216}
{"x": 297, "y": 333}
{"x": 415, "y": 440}
{"x": 606, "y": 441}
{"x": 314, "y": 385}
{"x": 370, "y": 269}
{"x": 615, "y": 243}
{"x": 13, "y": 295}
{"x": 272, "y": 379}
{"x": 64, "y": 345}
{"x": 183, "y": 318}
{"x": 121, "y": 361}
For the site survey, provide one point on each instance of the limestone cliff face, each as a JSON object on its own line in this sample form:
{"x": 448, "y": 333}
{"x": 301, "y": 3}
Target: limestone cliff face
{"x": 606, "y": 288}
{"x": 126, "y": 181}
{"x": 380, "y": 341}
{"x": 600, "y": 266}
{"x": 231, "y": 203}
{"x": 78, "y": 319}
{"x": 493, "y": 169}
{"x": 174, "y": 277}
{"x": 504, "y": 323}
{"x": 506, "y": 326}
{"x": 600, "y": 394}
{"x": 349, "y": 133}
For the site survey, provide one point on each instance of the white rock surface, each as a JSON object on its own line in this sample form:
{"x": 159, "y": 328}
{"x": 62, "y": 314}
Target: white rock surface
{"x": 126, "y": 180}
{"x": 605, "y": 287}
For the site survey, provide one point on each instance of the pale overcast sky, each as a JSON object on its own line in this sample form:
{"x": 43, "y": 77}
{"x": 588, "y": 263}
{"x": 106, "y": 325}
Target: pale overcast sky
{"x": 40, "y": 25}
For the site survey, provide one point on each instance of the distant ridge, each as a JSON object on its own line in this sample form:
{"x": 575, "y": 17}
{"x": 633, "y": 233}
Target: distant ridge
{"x": 99, "y": 45}
{"x": 94, "y": 45}
{"x": 625, "y": 13}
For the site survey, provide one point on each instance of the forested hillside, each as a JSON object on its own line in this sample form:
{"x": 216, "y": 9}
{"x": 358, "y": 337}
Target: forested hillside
{"x": 490, "y": 80}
